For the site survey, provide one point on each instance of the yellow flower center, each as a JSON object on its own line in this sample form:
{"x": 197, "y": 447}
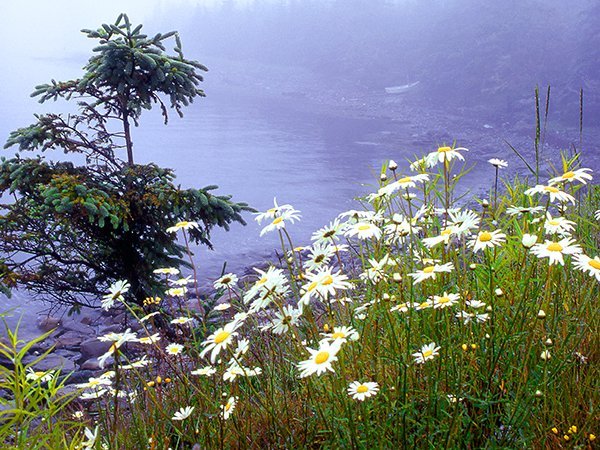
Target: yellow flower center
{"x": 405, "y": 180}
{"x": 312, "y": 285}
{"x": 228, "y": 406}
{"x": 551, "y": 189}
{"x": 272, "y": 210}
{"x": 594, "y": 263}
{"x": 221, "y": 336}
{"x": 444, "y": 149}
{"x": 568, "y": 175}
{"x": 327, "y": 280}
{"x": 263, "y": 280}
{"x": 554, "y": 222}
{"x": 338, "y": 335}
{"x": 429, "y": 269}
{"x": 277, "y": 220}
{"x": 447, "y": 232}
{"x": 427, "y": 353}
{"x": 362, "y": 389}
{"x": 443, "y": 300}
{"x": 322, "y": 357}
{"x": 485, "y": 237}
{"x": 364, "y": 227}
{"x": 424, "y": 305}
{"x": 554, "y": 247}
{"x": 182, "y": 224}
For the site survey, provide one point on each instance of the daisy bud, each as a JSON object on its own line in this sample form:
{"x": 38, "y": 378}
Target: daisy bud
{"x": 545, "y": 355}
{"x": 529, "y": 240}
{"x": 326, "y": 328}
{"x": 554, "y": 430}
{"x": 499, "y": 292}
{"x": 548, "y": 343}
{"x": 465, "y": 347}
{"x": 487, "y": 336}
{"x": 392, "y": 165}
{"x": 473, "y": 346}
{"x": 397, "y": 277}
{"x": 386, "y": 297}
{"x": 488, "y": 308}
{"x": 541, "y": 314}
{"x": 566, "y": 437}
{"x": 473, "y": 266}
{"x": 539, "y": 394}
{"x": 592, "y": 437}
{"x": 383, "y": 177}
{"x": 485, "y": 203}
{"x": 573, "y": 429}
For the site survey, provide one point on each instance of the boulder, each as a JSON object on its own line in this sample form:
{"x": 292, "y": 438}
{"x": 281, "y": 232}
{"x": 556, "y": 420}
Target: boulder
{"x": 92, "y": 348}
{"x": 47, "y": 323}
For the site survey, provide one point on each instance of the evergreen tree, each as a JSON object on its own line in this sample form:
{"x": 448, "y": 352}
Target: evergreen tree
{"x": 71, "y": 230}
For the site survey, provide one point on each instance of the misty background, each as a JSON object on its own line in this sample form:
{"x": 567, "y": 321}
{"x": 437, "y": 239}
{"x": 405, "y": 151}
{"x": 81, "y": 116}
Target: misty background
{"x": 296, "y": 106}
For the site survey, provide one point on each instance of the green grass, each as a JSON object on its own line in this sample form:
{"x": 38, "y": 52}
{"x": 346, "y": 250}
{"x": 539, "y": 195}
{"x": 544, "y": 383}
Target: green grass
{"x": 487, "y": 387}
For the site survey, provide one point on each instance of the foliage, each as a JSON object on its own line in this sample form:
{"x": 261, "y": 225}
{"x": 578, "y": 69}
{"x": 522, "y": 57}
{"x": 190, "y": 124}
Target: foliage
{"x": 32, "y": 407}
{"x": 517, "y": 358}
{"x": 73, "y": 229}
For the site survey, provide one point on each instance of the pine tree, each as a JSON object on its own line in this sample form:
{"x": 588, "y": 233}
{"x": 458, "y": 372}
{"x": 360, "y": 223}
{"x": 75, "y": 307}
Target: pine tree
{"x": 71, "y": 230}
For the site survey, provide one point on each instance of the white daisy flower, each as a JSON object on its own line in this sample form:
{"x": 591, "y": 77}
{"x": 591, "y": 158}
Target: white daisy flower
{"x": 41, "y": 376}
{"x": 463, "y": 221}
{"x": 445, "y": 154}
{"x": 554, "y": 251}
{"x": 324, "y": 284}
{"x": 445, "y": 300}
{"x": 177, "y": 292}
{"x": 271, "y": 283}
{"x": 427, "y": 352}
{"x": 476, "y": 304}
{"x": 183, "y": 225}
{"x": 320, "y": 360}
{"x": 183, "y": 413}
{"x": 343, "y": 334}
{"x": 149, "y": 339}
{"x": 174, "y": 349}
{"x": 279, "y": 222}
{"x": 487, "y": 239}
{"x": 272, "y": 213}
{"x": 588, "y": 265}
{"x": 220, "y": 339}
{"x": 167, "y": 271}
{"x": 181, "y": 320}
{"x": 498, "y": 163}
{"x": 361, "y": 390}
{"x": 205, "y": 371}
{"x": 363, "y": 230}
{"x": 554, "y": 193}
{"x": 117, "y": 289}
{"x": 90, "y": 439}
{"x": 430, "y": 272}
{"x": 227, "y": 408}
{"x": 329, "y": 233}
{"x": 529, "y": 240}
{"x": 580, "y": 175}
{"x": 229, "y": 280}
{"x": 444, "y": 237}
{"x": 558, "y": 225}
{"x": 284, "y": 320}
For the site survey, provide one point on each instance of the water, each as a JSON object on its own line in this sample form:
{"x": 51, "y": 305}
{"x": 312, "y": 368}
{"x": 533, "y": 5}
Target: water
{"x": 257, "y": 147}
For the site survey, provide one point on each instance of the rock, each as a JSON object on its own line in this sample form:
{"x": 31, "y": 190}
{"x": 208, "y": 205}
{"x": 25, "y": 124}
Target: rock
{"x": 56, "y": 361}
{"x": 74, "y": 325}
{"x": 48, "y": 323}
{"x": 115, "y": 328}
{"x": 68, "y": 389}
{"x": 80, "y": 376}
{"x": 91, "y": 364}
{"x": 70, "y": 340}
{"x": 92, "y": 348}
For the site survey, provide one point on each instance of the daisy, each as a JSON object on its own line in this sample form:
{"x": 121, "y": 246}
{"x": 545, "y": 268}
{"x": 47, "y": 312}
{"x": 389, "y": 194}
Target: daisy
{"x": 206, "y": 371}
{"x": 353, "y": 216}
{"x": 597, "y": 215}
{"x": 554, "y": 193}
{"x": 228, "y": 407}
{"x": 360, "y": 391}
{"x": 426, "y": 304}
{"x": 324, "y": 283}
{"x": 402, "y": 307}
{"x": 117, "y": 339}
{"x": 430, "y": 272}
{"x": 176, "y": 292}
{"x": 271, "y": 282}
{"x": 40, "y": 376}
{"x": 222, "y": 307}
{"x": 279, "y": 222}
{"x": 183, "y": 413}
{"x": 174, "y": 349}
{"x": 476, "y": 304}
{"x": 376, "y": 272}
{"x": 90, "y": 439}
{"x": 117, "y": 289}
{"x": 444, "y": 237}
{"x": 498, "y": 163}
{"x": 272, "y": 213}
{"x": 520, "y": 210}
{"x": 445, "y": 300}
{"x": 93, "y": 395}
{"x": 320, "y": 254}
{"x": 284, "y": 320}
{"x": 405, "y": 183}
{"x": 95, "y": 383}
{"x": 445, "y": 154}
{"x": 558, "y": 225}
{"x": 343, "y": 334}
{"x": 588, "y": 265}
{"x": 181, "y": 320}
{"x": 529, "y": 240}
{"x": 167, "y": 271}
{"x": 329, "y": 232}
{"x": 363, "y": 230}
{"x": 580, "y": 175}
{"x": 486, "y": 239}
{"x": 220, "y": 339}
{"x": 554, "y": 251}
{"x": 149, "y": 339}
{"x": 229, "y": 280}
{"x": 463, "y": 221}
{"x": 465, "y": 316}
{"x": 184, "y": 225}
{"x": 320, "y": 360}
{"x": 142, "y": 362}
{"x": 427, "y": 352}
